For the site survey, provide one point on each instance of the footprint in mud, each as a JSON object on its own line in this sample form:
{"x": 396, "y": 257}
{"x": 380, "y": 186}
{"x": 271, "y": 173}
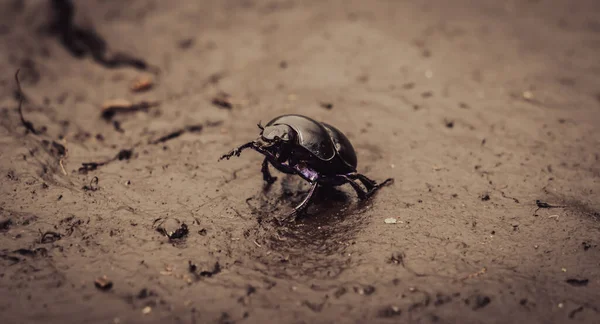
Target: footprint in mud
{"x": 315, "y": 244}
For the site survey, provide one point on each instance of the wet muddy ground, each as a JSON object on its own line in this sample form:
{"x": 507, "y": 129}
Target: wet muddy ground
{"x": 478, "y": 109}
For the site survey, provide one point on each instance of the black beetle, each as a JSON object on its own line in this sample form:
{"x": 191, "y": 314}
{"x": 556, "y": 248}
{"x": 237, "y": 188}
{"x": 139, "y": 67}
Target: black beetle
{"x": 317, "y": 152}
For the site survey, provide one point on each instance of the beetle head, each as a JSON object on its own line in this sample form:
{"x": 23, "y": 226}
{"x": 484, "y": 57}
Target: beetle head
{"x": 276, "y": 135}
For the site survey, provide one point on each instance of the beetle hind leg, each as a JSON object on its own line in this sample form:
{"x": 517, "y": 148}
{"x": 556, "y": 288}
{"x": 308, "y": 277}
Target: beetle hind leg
{"x": 371, "y": 185}
{"x": 269, "y": 179}
{"x": 359, "y": 191}
{"x": 368, "y": 183}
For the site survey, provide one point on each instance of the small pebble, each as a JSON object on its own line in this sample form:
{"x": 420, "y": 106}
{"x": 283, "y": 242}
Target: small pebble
{"x": 146, "y": 310}
{"x": 172, "y": 228}
{"x": 390, "y": 221}
{"x": 327, "y": 105}
{"x": 103, "y": 283}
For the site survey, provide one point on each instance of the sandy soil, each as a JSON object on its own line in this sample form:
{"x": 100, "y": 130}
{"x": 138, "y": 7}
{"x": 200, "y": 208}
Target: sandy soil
{"x": 476, "y": 108}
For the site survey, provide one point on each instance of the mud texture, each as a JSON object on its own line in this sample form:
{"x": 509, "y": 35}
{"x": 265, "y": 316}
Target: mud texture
{"x": 485, "y": 112}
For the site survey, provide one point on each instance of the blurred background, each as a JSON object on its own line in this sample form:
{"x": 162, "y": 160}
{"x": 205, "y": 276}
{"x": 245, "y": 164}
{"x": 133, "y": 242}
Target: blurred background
{"x": 114, "y": 209}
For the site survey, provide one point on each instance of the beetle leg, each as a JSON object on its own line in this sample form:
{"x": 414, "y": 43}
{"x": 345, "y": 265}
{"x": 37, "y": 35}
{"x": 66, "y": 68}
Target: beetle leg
{"x": 359, "y": 191}
{"x": 305, "y": 202}
{"x": 371, "y": 185}
{"x": 368, "y": 183}
{"x": 238, "y": 150}
{"x": 387, "y": 181}
{"x": 265, "y": 171}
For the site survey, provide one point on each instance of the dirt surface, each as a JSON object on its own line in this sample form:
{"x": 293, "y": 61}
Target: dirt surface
{"x": 476, "y": 108}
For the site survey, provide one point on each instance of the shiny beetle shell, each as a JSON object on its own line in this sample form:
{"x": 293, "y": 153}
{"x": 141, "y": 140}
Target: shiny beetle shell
{"x": 342, "y": 146}
{"x": 322, "y": 140}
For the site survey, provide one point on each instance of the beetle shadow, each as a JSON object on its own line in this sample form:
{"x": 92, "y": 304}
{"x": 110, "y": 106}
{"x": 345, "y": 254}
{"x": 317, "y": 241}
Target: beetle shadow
{"x": 315, "y": 244}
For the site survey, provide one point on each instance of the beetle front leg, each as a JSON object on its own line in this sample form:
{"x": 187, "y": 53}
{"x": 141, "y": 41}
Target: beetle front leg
{"x": 238, "y": 150}
{"x": 269, "y": 179}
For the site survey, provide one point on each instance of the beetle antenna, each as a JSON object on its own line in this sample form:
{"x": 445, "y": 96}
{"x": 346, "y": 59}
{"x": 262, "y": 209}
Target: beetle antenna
{"x": 260, "y": 126}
